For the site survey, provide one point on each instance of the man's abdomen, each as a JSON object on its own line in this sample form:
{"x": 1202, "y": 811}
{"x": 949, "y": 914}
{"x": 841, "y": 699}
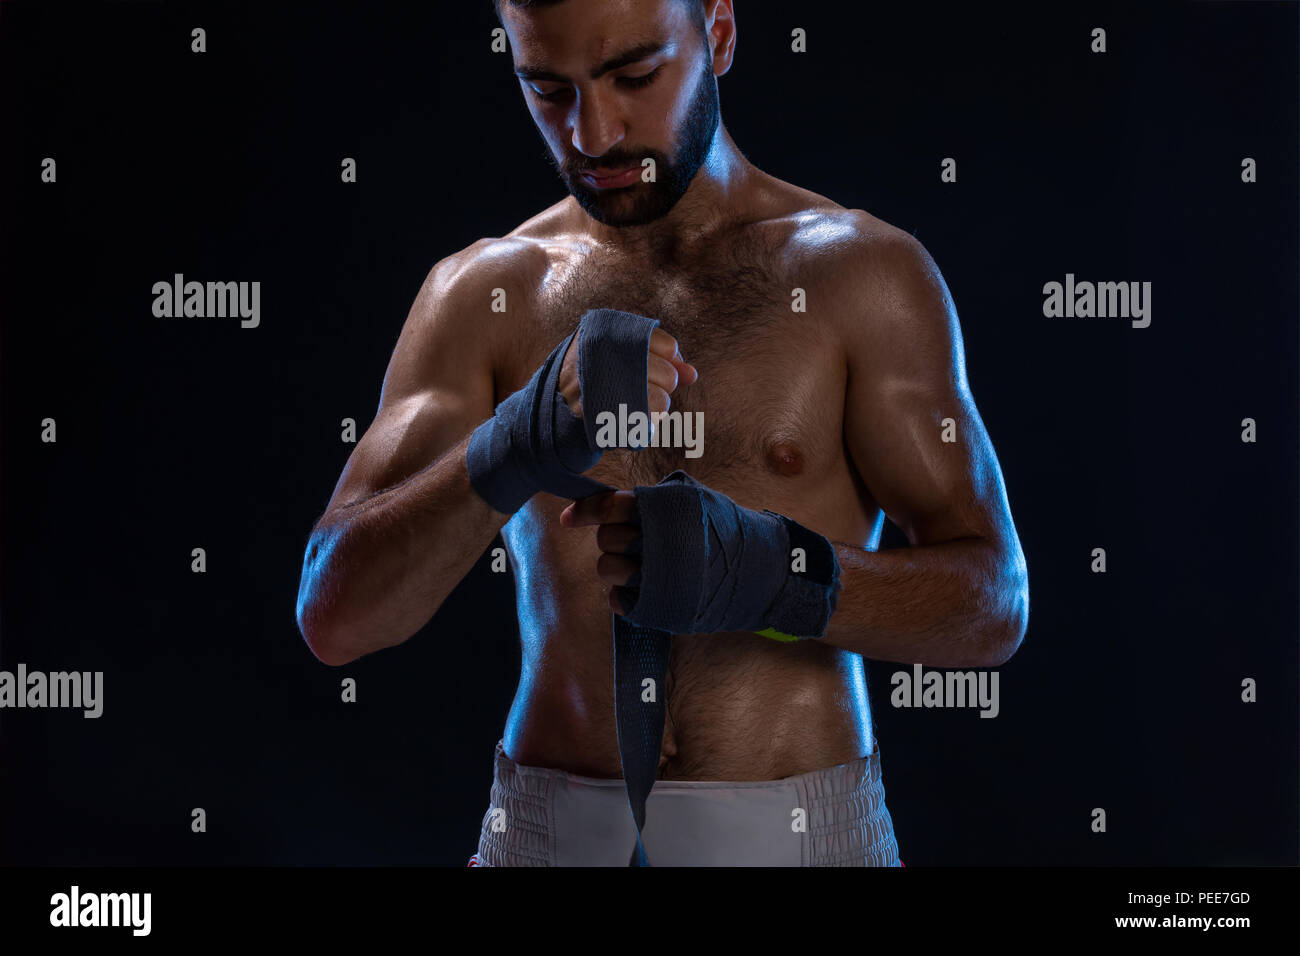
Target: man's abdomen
{"x": 740, "y": 707}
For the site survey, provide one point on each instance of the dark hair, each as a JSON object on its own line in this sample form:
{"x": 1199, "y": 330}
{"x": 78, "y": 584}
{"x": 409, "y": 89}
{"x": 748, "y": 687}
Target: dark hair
{"x": 698, "y": 5}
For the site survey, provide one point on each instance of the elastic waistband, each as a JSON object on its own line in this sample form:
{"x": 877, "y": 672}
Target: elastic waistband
{"x": 825, "y": 781}
{"x": 832, "y": 816}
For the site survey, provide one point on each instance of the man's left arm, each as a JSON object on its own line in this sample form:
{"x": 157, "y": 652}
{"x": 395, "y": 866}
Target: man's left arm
{"x": 958, "y": 597}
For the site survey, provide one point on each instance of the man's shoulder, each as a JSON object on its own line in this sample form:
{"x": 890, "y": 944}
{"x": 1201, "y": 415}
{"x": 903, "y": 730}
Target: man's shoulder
{"x": 887, "y": 284}
{"x": 481, "y": 292}
{"x": 844, "y": 242}
{"x": 518, "y": 260}
{"x": 491, "y": 266}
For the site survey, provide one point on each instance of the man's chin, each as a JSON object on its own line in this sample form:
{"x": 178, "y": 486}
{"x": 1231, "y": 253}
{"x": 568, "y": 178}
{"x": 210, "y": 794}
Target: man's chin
{"x": 618, "y": 208}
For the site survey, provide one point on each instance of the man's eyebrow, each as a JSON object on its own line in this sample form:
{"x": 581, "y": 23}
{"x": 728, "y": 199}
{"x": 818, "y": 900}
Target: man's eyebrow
{"x": 638, "y": 52}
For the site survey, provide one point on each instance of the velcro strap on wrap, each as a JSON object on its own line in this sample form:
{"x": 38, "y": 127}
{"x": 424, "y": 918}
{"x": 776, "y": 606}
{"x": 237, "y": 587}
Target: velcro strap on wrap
{"x": 807, "y": 599}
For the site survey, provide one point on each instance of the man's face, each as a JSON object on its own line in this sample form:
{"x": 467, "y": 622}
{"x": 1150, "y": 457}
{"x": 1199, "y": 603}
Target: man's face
{"x": 654, "y": 96}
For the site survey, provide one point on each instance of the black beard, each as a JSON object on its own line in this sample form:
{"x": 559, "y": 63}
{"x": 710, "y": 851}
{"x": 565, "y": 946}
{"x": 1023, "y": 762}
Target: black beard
{"x": 643, "y": 202}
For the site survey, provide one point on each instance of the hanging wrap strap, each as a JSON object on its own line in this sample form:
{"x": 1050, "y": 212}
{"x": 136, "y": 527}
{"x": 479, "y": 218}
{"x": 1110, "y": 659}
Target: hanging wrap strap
{"x": 640, "y": 653}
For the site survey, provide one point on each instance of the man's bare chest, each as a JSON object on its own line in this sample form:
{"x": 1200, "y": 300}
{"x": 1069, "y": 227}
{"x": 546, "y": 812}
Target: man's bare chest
{"x": 769, "y": 398}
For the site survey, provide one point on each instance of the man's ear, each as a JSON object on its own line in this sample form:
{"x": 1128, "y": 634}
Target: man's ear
{"x": 720, "y": 33}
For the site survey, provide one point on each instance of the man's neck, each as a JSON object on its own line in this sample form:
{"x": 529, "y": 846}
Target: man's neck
{"x": 713, "y": 200}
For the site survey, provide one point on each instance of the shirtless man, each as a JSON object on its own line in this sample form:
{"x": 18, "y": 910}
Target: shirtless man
{"x": 833, "y": 414}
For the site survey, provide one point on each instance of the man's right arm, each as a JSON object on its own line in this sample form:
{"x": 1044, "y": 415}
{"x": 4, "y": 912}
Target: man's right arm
{"x": 404, "y": 525}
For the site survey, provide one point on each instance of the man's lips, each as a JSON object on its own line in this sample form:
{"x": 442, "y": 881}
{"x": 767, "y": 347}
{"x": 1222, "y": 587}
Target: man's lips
{"x": 611, "y": 179}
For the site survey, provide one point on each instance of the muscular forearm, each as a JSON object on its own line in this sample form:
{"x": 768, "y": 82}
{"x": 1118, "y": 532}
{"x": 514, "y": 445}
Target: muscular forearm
{"x": 957, "y": 604}
{"x": 377, "y": 570}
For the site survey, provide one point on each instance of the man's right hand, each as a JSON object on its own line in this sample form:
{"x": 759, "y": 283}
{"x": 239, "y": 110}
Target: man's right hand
{"x": 543, "y": 437}
{"x": 667, "y": 370}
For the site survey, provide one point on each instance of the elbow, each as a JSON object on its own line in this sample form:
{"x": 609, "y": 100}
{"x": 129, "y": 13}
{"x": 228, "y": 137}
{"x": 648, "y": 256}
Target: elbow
{"x": 337, "y": 618}
{"x": 1004, "y": 646}
{"x": 1012, "y": 620}
{"x": 317, "y": 622}
{"x": 334, "y": 638}
{"x": 329, "y": 654}
{"x": 321, "y": 639}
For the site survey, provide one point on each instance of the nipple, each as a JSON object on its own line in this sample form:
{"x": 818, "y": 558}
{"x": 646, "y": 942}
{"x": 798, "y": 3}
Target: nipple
{"x": 785, "y": 458}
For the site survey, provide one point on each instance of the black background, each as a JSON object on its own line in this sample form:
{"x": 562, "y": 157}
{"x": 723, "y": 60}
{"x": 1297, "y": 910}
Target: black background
{"x": 175, "y": 434}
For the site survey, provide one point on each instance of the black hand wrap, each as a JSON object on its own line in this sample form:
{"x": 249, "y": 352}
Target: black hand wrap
{"x": 708, "y": 565}
{"x": 534, "y": 442}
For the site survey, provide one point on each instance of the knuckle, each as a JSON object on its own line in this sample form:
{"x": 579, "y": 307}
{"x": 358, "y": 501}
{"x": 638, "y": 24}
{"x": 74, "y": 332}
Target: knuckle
{"x": 663, "y": 343}
{"x": 663, "y": 373}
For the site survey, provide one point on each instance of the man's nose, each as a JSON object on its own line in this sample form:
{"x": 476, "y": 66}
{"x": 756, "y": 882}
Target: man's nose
{"x": 597, "y": 126}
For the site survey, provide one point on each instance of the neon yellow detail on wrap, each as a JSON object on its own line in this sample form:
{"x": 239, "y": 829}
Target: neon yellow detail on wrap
{"x": 776, "y": 635}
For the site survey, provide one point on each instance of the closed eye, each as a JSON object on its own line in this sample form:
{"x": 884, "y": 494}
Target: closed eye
{"x": 628, "y": 82}
{"x": 636, "y": 82}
